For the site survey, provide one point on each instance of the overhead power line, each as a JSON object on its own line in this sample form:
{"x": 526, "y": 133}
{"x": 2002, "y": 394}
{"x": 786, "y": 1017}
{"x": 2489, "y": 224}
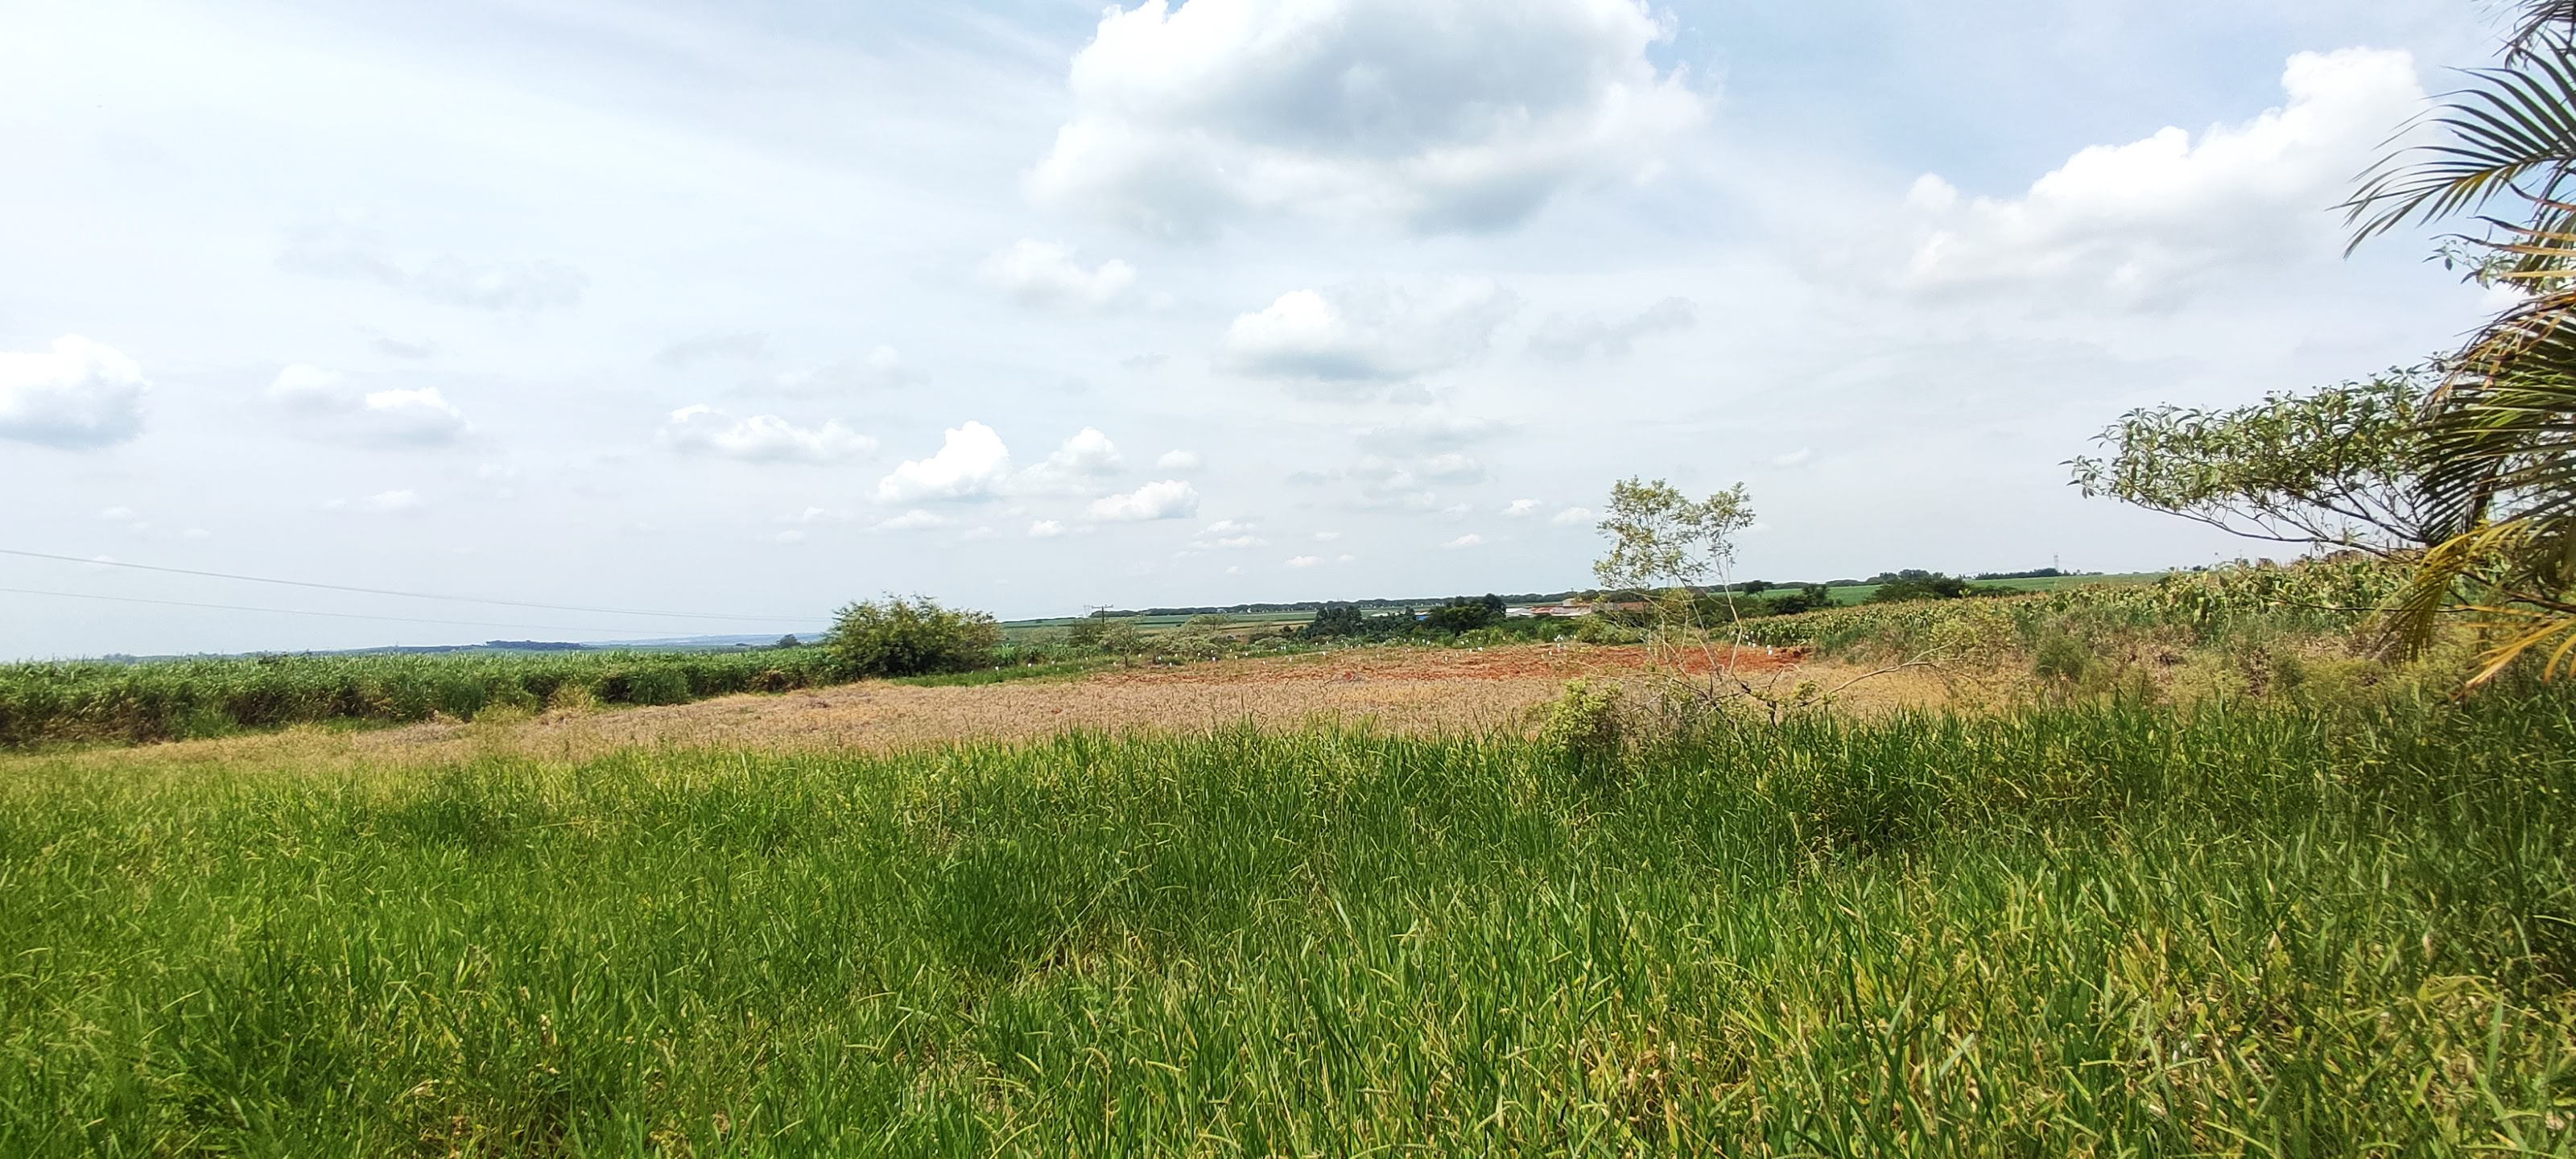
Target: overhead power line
{"x": 304, "y": 612}
{"x": 408, "y": 595}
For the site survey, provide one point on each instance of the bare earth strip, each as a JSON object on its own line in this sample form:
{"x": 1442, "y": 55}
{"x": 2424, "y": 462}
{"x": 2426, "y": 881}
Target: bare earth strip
{"x": 1421, "y": 691}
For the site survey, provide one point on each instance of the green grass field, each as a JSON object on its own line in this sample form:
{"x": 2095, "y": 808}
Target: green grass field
{"x": 1860, "y": 593}
{"x": 2079, "y": 930}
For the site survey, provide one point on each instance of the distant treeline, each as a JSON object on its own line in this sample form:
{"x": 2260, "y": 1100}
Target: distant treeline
{"x": 1747, "y": 587}
{"x": 1319, "y": 605}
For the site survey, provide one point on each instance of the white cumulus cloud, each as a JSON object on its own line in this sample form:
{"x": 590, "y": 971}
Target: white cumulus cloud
{"x": 972, "y": 463}
{"x": 1304, "y": 560}
{"x": 1470, "y": 539}
{"x": 760, "y": 438}
{"x": 77, "y": 394}
{"x": 1045, "y": 529}
{"x": 1228, "y": 535}
{"x": 411, "y": 416}
{"x": 1039, "y": 273}
{"x": 1434, "y": 115}
{"x": 1521, "y": 509}
{"x": 2136, "y": 222}
{"x": 330, "y": 406}
{"x": 1177, "y": 461}
{"x": 1573, "y": 515}
{"x": 1168, "y": 499}
{"x": 1352, "y": 339}
{"x": 1086, "y": 456}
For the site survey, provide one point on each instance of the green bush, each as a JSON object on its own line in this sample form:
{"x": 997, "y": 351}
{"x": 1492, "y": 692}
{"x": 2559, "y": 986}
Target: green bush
{"x": 1917, "y": 584}
{"x": 1603, "y": 630}
{"x": 1465, "y": 614}
{"x": 910, "y": 637}
{"x": 1585, "y": 730}
{"x": 2063, "y": 661}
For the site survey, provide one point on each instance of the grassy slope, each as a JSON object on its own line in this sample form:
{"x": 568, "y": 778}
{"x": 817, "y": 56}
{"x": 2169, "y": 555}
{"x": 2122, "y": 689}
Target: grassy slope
{"x": 2076, "y": 929}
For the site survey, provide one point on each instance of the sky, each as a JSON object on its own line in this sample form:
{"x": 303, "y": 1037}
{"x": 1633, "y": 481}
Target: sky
{"x": 744, "y": 311}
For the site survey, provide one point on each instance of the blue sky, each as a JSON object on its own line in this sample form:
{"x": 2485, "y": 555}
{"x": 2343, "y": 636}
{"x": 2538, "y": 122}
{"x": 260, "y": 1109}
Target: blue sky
{"x": 759, "y": 308}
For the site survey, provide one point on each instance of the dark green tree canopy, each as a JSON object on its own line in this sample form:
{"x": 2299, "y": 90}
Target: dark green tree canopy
{"x": 1466, "y": 614}
{"x": 2342, "y": 466}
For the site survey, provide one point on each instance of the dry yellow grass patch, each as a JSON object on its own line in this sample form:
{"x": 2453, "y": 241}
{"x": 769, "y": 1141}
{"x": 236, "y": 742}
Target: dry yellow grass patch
{"x": 1417, "y": 691}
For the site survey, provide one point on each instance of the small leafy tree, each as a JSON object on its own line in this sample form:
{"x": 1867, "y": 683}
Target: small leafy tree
{"x": 1120, "y": 637}
{"x": 1661, "y": 538}
{"x": 1337, "y": 620}
{"x": 2341, "y": 467}
{"x": 1666, "y": 544}
{"x": 1466, "y": 614}
{"x": 909, "y": 637}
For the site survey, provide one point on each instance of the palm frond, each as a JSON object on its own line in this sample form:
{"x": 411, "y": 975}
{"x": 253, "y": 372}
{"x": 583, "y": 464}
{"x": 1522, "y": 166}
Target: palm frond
{"x": 2540, "y": 628}
{"x": 2409, "y": 622}
{"x": 2543, "y": 26}
{"x": 2512, "y": 132}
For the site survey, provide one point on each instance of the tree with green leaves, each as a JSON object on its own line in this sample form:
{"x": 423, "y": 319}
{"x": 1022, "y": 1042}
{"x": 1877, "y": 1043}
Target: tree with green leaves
{"x": 1666, "y": 544}
{"x": 2498, "y": 494}
{"x": 2339, "y": 467}
{"x": 1661, "y": 538}
{"x": 1337, "y": 620}
{"x": 896, "y": 636}
{"x": 1466, "y": 614}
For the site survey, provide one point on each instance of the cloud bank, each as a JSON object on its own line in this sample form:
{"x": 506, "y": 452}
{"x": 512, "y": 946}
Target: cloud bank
{"x": 1352, "y": 340}
{"x": 1430, "y": 116}
{"x": 703, "y": 430}
{"x": 76, "y": 395}
{"x": 2140, "y": 221}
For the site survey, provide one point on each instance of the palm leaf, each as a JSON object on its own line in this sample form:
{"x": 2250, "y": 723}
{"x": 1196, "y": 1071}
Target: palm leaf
{"x": 2512, "y": 132}
{"x": 2543, "y": 28}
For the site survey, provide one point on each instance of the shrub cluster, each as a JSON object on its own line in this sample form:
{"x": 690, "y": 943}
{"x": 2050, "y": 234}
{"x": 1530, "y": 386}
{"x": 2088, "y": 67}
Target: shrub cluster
{"x": 910, "y": 637}
{"x": 1917, "y": 584}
